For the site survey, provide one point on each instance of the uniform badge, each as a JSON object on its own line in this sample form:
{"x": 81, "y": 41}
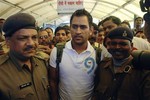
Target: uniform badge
{"x": 124, "y": 34}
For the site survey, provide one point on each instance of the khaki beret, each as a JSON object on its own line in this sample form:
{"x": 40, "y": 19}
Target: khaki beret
{"x": 18, "y": 21}
{"x": 121, "y": 33}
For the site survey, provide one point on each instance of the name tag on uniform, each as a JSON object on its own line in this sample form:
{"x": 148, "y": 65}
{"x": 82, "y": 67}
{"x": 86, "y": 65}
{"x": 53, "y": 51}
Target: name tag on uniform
{"x": 25, "y": 85}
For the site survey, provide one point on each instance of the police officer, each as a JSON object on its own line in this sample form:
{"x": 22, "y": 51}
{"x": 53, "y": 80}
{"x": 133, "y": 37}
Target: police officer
{"x": 116, "y": 77}
{"x": 23, "y": 76}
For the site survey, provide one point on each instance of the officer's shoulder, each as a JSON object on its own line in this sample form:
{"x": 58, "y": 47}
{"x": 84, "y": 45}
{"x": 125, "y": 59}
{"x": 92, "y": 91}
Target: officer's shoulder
{"x": 3, "y": 58}
{"x": 39, "y": 57}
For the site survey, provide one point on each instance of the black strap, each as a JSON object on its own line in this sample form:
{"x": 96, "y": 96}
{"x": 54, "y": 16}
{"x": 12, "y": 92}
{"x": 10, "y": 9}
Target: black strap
{"x": 98, "y": 54}
{"x": 111, "y": 91}
{"x": 60, "y": 47}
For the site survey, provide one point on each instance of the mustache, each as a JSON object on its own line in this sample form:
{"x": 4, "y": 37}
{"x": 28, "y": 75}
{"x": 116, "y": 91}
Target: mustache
{"x": 30, "y": 47}
{"x": 116, "y": 50}
{"x": 78, "y": 36}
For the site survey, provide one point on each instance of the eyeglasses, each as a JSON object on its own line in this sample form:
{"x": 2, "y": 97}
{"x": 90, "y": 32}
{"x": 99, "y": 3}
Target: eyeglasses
{"x": 119, "y": 43}
{"x": 45, "y": 37}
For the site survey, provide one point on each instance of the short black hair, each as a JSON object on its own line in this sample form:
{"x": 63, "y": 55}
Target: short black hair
{"x": 138, "y": 18}
{"x": 49, "y": 28}
{"x": 82, "y": 12}
{"x": 127, "y": 23}
{"x": 60, "y": 28}
{"x": 114, "y": 19}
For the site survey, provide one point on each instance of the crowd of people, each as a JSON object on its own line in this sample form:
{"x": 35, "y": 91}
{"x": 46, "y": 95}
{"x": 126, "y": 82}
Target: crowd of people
{"x": 29, "y": 68}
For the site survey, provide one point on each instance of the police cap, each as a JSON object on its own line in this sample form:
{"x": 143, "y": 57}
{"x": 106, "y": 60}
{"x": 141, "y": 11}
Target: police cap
{"x": 18, "y": 21}
{"x": 121, "y": 33}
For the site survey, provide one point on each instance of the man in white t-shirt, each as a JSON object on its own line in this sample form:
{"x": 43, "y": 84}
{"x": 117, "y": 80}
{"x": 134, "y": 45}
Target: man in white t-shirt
{"x": 76, "y": 69}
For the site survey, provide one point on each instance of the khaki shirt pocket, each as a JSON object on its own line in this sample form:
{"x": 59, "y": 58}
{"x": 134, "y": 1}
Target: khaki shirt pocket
{"x": 23, "y": 94}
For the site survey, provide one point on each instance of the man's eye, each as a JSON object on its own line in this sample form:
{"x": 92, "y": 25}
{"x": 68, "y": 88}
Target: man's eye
{"x": 63, "y": 34}
{"x": 113, "y": 43}
{"x": 123, "y": 43}
{"x": 21, "y": 38}
{"x": 34, "y": 37}
{"x": 83, "y": 26}
{"x": 75, "y": 26}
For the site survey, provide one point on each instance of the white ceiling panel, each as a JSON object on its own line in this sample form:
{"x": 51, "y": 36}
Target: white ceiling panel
{"x": 45, "y": 11}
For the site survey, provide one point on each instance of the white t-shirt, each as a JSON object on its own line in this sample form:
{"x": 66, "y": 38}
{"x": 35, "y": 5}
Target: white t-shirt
{"x": 76, "y": 72}
{"x": 140, "y": 43}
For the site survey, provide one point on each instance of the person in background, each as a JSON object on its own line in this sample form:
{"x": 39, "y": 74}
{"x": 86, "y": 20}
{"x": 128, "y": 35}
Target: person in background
{"x": 44, "y": 47}
{"x": 50, "y": 33}
{"x": 76, "y": 69}
{"x": 3, "y": 47}
{"x": 117, "y": 78}
{"x": 125, "y": 23}
{"x": 109, "y": 23}
{"x": 23, "y": 76}
{"x": 68, "y": 32}
{"x": 93, "y": 36}
{"x": 138, "y": 24}
{"x": 60, "y": 34}
{"x": 100, "y": 25}
{"x": 2, "y": 20}
{"x": 140, "y": 34}
{"x": 100, "y": 37}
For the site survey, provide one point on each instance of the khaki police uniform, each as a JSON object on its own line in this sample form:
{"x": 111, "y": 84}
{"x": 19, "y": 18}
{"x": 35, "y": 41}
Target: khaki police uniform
{"x": 17, "y": 82}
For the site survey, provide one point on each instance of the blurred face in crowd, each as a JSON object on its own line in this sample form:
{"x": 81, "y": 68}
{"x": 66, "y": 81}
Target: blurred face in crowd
{"x": 50, "y": 33}
{"x": 23, "y": 43}
{"x": 140, "y": 34}
{"x": 120, "y": 48}
{"x": 93, "y": 36}
{"x": 61, "y": 36}
{"x": 138, "y": 22}
{"x": 2, "y": 22}
{"x": 43, "y": 38}
{"x": 100, "y": 37}
{"x": 108, "y": 26}
{"x": 80, "y": 30}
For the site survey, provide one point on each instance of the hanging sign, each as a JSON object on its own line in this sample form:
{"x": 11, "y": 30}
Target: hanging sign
{"x": 68, "y": 6}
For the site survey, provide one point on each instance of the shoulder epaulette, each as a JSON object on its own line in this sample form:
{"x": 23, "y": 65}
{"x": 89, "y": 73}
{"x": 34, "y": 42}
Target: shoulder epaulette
{"x": 3, "y": 58}
{"x": 39, "y": 57}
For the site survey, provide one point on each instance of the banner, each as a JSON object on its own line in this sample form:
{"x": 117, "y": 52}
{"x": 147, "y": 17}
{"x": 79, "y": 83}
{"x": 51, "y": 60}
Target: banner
{"x": 68, "y": 6}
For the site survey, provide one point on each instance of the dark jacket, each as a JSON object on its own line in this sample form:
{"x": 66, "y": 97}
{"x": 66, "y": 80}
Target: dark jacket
{"x": 135, "y": 84}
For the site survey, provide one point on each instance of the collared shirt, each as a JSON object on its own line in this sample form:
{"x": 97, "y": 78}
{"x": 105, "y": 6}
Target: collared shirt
{"x": 19, "y": 83}
{"x": 76, "y": 72}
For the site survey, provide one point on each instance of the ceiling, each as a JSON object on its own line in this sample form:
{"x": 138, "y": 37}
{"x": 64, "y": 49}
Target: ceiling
{"x": 45, "y": 11}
